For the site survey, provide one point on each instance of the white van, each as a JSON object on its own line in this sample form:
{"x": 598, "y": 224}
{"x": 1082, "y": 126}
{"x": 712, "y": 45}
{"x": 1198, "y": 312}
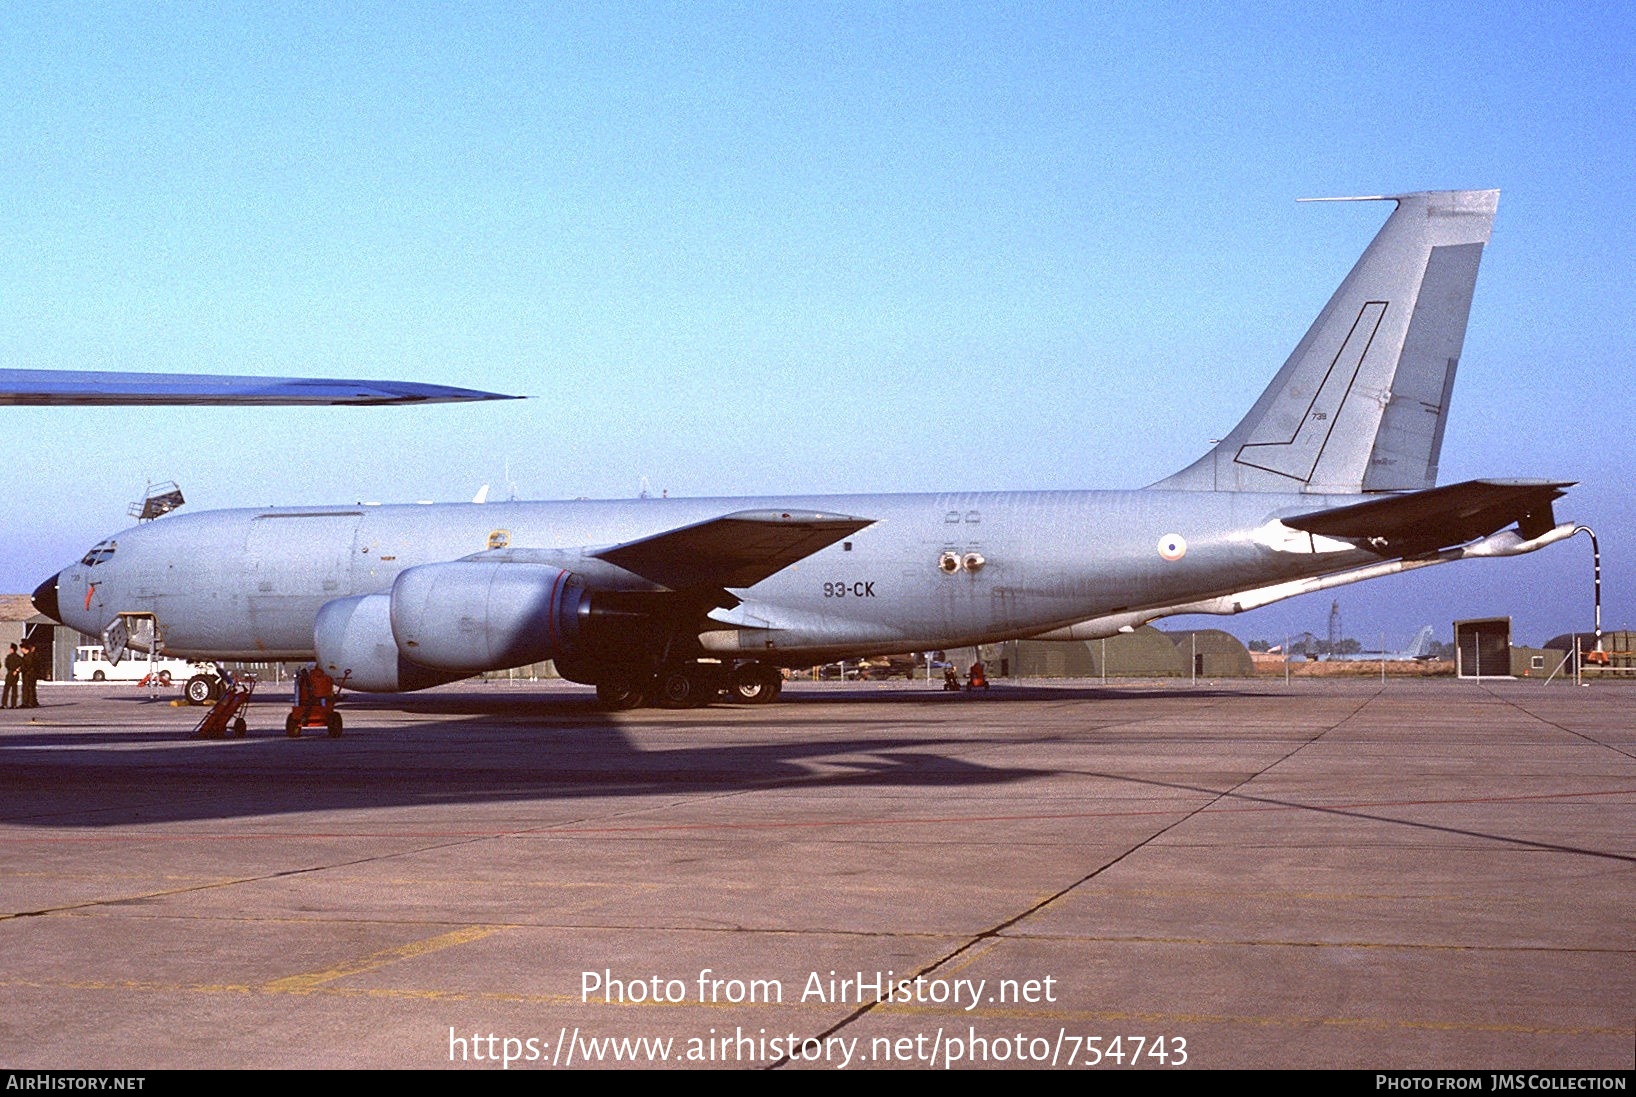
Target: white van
{"x": 91, "y": 665}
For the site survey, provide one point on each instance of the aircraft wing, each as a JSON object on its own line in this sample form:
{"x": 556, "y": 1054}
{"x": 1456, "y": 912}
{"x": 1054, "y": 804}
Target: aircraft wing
{"x": 56, "y": 388}
{"x": 1424, "y": 521}
{"x": 735, "y": 550}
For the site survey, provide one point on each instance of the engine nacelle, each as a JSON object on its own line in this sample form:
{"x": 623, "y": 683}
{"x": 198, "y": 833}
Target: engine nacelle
{"x": 475, "y": 615}
{"x": 353, "y": 638}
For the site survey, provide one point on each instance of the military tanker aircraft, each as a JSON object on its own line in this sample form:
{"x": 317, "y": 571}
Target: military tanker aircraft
{"x": 1330, "y": 479}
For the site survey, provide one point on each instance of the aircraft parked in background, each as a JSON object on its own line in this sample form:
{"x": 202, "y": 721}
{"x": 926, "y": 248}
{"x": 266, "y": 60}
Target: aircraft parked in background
{"x": 1329, "y": 479}
{"x": 1419, "y": 648}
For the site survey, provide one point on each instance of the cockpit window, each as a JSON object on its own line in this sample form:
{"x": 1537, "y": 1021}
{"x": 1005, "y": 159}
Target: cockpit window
{"x": 101, "y": 551}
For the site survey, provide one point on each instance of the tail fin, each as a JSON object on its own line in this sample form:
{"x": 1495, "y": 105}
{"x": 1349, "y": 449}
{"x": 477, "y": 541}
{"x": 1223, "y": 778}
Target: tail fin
{"x": 1420, "y": 647}
{"x": 1361, "y": 403}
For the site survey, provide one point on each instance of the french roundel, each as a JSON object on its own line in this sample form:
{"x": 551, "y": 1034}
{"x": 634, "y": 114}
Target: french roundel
{"x": 1172, "y": 546}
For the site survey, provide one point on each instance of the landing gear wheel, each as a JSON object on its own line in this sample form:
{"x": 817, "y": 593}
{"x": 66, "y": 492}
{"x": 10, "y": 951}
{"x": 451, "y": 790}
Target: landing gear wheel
{"x": 755, "y": 684}
{"x": 335, "y": 725}
{"x": 200, "y": 689}
{"x": 292, "y": 726}
{"x": 679, "y": 688}
{"x": 620, "y": 693}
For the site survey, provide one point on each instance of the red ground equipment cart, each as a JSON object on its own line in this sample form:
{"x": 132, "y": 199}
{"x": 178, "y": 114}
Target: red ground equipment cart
{"x": 315, "y": 695}
{"x": 227, "y": 714}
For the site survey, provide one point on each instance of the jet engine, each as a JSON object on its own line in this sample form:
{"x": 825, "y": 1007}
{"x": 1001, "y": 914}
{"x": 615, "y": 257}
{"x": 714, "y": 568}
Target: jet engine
{"x": 443, "y": 622}
{"x": 474, "y": 615}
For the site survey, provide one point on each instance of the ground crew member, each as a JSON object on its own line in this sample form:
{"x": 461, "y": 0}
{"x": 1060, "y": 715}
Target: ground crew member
{"x": 14, "y": 673}
{"x": 33, "y": 671}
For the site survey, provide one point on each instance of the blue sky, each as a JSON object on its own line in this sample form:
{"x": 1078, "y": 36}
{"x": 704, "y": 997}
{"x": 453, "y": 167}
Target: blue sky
{"x": 740, "y": 249}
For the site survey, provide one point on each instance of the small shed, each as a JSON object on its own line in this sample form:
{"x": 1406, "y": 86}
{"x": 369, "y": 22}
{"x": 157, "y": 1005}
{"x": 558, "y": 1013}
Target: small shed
{"x": 1482, "y": 647}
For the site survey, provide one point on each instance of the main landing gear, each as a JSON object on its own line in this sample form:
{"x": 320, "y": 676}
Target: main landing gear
{"x": 755, "y": 684}
{"x": 690, "y": 684}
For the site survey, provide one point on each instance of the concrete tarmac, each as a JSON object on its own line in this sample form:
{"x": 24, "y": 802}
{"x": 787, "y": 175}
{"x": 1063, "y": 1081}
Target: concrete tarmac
{"x": 1428, "y": 874}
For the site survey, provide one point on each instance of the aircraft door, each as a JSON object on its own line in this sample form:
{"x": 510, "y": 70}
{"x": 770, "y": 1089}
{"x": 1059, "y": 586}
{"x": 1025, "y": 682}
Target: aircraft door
{"x": 297, "y": 561}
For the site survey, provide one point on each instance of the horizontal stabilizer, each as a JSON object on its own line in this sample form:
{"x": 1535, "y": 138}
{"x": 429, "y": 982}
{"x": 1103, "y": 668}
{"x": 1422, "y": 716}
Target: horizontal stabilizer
{"x": 63, "y": 388}
{"x": 735, "y": 550}
{"x": 1424, "y": 521}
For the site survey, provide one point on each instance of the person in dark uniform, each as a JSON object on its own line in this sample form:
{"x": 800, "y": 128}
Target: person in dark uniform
{"x": 33, "y": 671}
{"x": 14, "y": 672}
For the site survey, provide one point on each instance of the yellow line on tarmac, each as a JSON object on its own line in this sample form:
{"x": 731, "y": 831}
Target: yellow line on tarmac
{"x": 1094, "y": 1017}
{"x": 296, "y": 984}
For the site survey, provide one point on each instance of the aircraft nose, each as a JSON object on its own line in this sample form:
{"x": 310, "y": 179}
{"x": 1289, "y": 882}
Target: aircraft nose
{"x": 45, "y": 599}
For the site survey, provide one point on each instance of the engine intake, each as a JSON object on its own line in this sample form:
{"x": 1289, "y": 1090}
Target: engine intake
{"x": 353, "y": 639}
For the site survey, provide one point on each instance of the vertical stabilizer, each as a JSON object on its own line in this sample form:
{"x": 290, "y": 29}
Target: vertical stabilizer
{"x": 1361, "y": 403}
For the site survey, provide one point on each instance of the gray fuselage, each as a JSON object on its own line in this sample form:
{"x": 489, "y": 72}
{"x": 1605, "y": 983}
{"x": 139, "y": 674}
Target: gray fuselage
{"x": 248, "y": 584}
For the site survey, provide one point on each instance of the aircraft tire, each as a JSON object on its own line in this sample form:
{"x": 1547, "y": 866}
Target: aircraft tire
{"x": 755, "y": 684}
{"x": 679, "y": 687}
{"x": 620, "y": 693}
{"x": 200, "y": 689}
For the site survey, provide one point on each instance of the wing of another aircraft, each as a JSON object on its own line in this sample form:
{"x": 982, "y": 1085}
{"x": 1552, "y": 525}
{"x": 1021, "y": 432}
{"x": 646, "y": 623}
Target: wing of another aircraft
{"x": 735, "y": 550}
{"x": 1424, "y": 521}
{"x": 60, "y": 388}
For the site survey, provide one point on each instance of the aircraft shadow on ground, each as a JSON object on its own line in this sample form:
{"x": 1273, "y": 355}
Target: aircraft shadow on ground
{"x": 472, "y": 750}
{"x": 1077, "y": 691}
